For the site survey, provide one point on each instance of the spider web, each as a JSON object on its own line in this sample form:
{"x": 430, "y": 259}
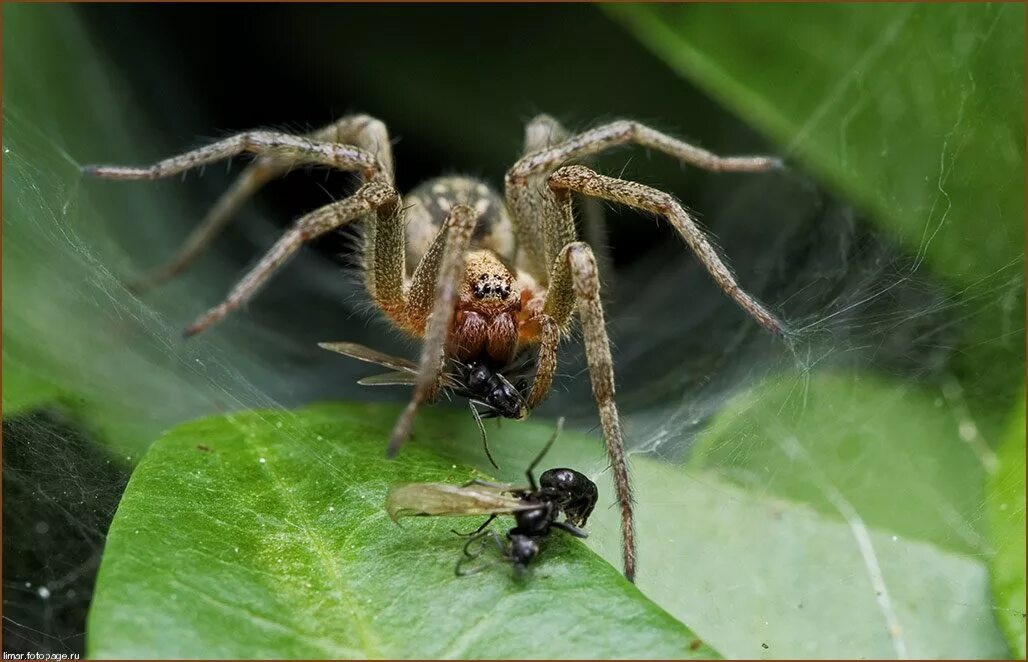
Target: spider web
{"x": 879, "y": 343}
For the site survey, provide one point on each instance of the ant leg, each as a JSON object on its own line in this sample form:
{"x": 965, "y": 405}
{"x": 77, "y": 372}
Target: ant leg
{"x": 529, "y": 473}
{"x": 485, "y": 483}
{"x": 476, "y": 531}
{"x": 484, "y": 537}
{"x": 570, "y": 528}
{"x": 485, "y": 437}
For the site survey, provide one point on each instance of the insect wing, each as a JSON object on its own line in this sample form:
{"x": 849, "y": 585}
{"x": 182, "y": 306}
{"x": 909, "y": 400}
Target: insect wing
{"x": 362, "y": 353}
{"x": 404, "y": 373}
{"x": 396, "y": 378}
{"x": 426, "y": 499}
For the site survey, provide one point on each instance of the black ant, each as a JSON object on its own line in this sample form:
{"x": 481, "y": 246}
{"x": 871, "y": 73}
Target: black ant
{"x": 536, "y": 509}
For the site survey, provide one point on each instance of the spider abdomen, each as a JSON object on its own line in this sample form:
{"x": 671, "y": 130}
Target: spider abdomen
{"x": 429, "y": 204}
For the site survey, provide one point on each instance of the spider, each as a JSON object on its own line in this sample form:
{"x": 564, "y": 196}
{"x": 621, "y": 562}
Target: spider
{"x": 478, "y": 277}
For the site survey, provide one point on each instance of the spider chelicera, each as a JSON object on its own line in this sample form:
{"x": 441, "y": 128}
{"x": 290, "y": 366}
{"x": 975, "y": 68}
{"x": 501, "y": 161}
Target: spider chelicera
{"x": 478, "y": 277}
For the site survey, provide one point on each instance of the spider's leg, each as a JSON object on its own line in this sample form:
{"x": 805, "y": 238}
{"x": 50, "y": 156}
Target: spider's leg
{"x": 458, "y": 228}
{"x": 545, "y": 131}
{"x": 625, "y": 132}
{"x": 583, "y": 180}
{"x": 533, "y": 209}
{"x": 366, "y": 200}
{"x": 575, "y": 280}
{"x": 360, "y": 130}
{"x": 425, "y": 281}
{"x": 283, "y": 147}
{"x": 256, "y": 175}
{"x": 546, "y": 361}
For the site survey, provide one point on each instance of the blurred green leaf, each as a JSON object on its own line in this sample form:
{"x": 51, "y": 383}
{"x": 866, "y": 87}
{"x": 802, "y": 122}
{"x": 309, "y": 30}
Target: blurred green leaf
{"x": 264, "y": 535}
{"x": 915, "y": 111}
{"x": 1005, "y": 505}
{"x": 67, "y": 318}
{"x": 759, "y": 577}
{"x": 831, "y": 438}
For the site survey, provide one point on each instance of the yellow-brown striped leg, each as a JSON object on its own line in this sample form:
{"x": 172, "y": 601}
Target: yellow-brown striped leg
{"x": 362, "y": 131}
{"x": 284, "y": 147}
{"x": 546, "y": 361}
{"x": 583, "y": 180}
{"x": 575, "y": 282}
{"x": 540, "y": 229}
{"x": 544, "y": 132}
{"x": 458, "y": 227}
{"x": 367, "y": 200}
{"x": 243, "y": 188}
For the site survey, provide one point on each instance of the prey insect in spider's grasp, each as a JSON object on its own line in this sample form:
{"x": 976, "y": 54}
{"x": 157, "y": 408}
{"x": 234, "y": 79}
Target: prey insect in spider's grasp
{"x": 483, "y": 280}
{"x": 536, "y": 508}
{"x": 482, "y": 386}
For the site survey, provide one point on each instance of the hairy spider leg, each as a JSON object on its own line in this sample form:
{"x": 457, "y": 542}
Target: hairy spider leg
{"x": 362, "y": 131}
{"x": 540, "y": 206}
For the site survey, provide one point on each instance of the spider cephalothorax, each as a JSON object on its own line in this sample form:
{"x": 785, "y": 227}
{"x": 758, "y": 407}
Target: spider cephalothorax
{"x": 478, "y": 277}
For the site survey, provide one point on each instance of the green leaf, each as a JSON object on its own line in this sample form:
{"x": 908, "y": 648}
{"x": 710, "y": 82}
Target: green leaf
{"x": 1005, "y": 505}
{"x": 831, "y": 437}
{"x": 264, "y": 535}
{"x": 915, "y": 111}
{"x": 744, "y": 570}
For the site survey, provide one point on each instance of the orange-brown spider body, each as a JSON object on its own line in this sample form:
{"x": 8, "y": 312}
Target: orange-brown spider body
{"x": 492, "y": 317}
{"x": 485, "y": 323}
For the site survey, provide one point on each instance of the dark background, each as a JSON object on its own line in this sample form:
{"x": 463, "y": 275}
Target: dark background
{"x": 455, "y": 84}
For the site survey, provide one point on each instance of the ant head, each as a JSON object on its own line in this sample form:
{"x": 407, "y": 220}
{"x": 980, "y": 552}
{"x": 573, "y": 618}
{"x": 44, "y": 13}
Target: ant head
{"x": 573, "y": 491}
{"x": 494, "y": 390}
